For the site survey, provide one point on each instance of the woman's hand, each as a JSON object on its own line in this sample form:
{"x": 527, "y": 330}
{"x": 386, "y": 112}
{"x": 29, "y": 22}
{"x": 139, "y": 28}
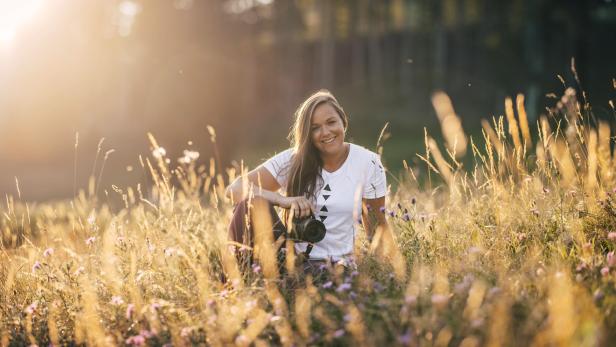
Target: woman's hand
{"x": 300, "y": 206}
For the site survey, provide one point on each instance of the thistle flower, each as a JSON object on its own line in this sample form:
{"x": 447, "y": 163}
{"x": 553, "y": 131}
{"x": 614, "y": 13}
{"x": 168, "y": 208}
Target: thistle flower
{"x": 37, "y": 266}
{"x": 48, "y": 252}
{"x": 343, "y": 287}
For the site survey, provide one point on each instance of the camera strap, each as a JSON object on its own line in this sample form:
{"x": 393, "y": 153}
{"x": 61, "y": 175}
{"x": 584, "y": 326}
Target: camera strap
{"x": 308, "y": 250}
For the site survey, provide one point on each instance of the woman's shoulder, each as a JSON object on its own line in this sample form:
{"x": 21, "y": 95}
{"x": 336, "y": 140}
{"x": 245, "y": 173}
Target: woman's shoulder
{"x": 363, "y": 153}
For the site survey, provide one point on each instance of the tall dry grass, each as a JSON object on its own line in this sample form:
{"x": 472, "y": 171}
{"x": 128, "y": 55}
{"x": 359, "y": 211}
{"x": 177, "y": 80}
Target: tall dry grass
{"x": 516, "y": 250}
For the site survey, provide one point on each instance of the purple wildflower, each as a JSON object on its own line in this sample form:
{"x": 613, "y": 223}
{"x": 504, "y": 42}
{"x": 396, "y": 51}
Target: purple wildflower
{"x": 598, "y": 295}
{"x": 406, "y": 217}
{"x": 343, "y": 287}
{"x": 328, "y": 284}
{"x": 48, "y": 252}
{"x": 37, "y": 266}
{"x": 378, "y": 287}
{"x": 382, "y": 209}
{"x": 406, "y": 339}
{"x": 392, "y": 213}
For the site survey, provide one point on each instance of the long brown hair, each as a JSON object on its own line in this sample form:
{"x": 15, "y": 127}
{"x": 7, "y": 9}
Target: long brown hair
{"x": 305, "y": 167}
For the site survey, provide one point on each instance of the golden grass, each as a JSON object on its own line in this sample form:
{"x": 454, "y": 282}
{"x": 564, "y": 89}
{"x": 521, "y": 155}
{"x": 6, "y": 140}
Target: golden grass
{"x": 514, "y": 251}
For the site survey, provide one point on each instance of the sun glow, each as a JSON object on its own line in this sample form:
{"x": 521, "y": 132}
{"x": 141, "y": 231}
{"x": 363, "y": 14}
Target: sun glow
{"x": 13, "y": 15}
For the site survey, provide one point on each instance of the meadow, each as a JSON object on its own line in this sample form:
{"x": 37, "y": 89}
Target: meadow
{"x": 516, "y": 249}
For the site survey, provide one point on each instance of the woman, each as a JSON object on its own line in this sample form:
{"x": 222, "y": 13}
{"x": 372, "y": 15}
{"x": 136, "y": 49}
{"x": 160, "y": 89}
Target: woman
{"x": 321, "y": 175}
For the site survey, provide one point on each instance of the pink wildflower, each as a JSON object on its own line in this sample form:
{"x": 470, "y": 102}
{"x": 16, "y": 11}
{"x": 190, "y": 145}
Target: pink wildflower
{"x": 611, "y": 236}
{"x": 605, "y": 271}
{"x": 90, "y": 240}
{"x": 410, "y": 299}
{"x": 116, "y": 300}
{"x": 611, "y": 260}
{"x": 31, "y": 308}
{"x": 48, "y": 252}
{"x": 136, "y": 340}
{"x": 147, "y": 333}
{"x": 130, "y": 310}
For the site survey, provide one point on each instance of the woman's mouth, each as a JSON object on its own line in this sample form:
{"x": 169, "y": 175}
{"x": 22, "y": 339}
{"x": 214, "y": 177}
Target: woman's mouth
{"x": 330, "y": 140}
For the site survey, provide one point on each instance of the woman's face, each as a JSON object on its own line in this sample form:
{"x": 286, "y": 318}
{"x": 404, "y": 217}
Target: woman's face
{"x": 327, "y": 130}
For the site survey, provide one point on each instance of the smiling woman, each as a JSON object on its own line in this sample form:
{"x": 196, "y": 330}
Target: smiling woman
{"x": 13, "y": 15}
{"x": 321, "y": 177}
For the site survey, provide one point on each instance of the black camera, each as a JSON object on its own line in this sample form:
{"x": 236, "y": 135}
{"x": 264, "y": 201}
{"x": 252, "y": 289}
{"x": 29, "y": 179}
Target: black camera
{"x": 307, "y": 229}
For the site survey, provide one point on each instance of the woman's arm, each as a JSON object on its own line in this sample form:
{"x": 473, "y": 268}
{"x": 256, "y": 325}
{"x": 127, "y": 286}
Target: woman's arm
{"x": 263, "y": 185}
{"x": 373, "y": 215}
{"x": 260, "y": 181}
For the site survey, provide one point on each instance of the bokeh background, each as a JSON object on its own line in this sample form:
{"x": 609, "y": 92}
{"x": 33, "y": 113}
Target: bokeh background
{"x": 119, "y": 69}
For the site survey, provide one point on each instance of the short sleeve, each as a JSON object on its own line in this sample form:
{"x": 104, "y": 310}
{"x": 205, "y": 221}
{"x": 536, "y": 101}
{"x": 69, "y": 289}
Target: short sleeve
{"x": 278, "y": 166}
{"x": 376, "y": 182}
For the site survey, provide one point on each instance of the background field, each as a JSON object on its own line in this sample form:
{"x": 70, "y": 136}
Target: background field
{"x": 121, "y": 122}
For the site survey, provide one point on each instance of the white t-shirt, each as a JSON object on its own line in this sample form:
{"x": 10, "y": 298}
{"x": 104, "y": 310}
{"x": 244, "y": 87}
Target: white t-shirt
{"x": 338, "y": 197}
